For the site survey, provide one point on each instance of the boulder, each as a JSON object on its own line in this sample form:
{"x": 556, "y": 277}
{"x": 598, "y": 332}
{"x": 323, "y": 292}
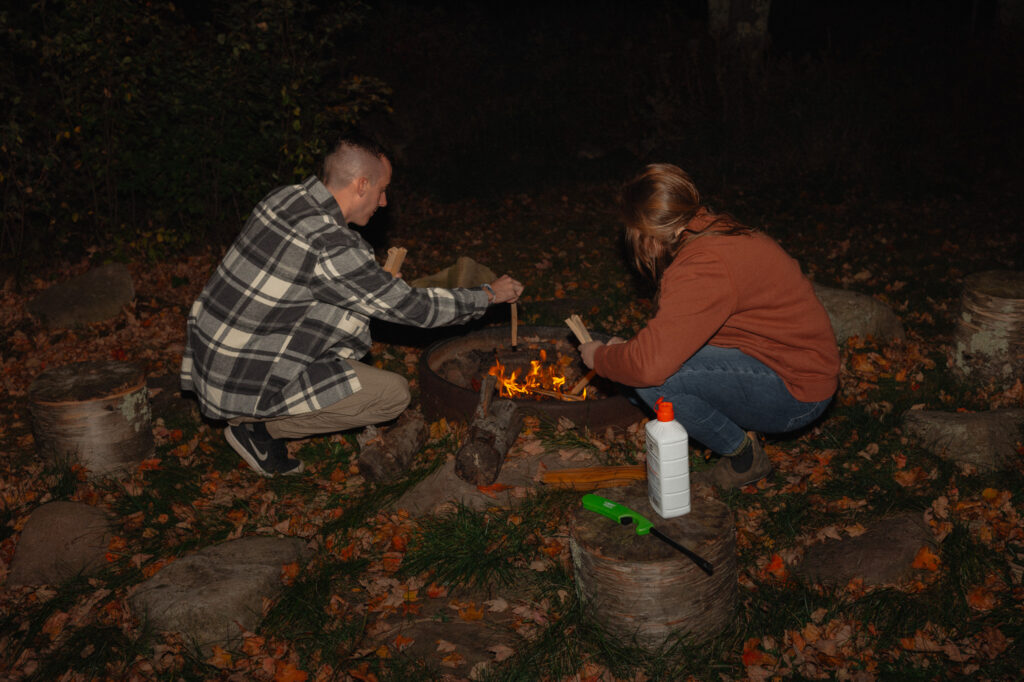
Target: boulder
{"x": 97, "y": 295}
{"x": 214, "y": 595}
{"x": 854, "y": 314}
{"x": 59, "y": 541}
{"x": 988, "y": 440}
{"x": 882, "y": 554}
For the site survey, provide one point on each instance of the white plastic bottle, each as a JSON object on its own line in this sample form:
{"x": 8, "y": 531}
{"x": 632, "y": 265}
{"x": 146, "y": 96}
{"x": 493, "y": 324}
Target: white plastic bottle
{"x": 668, "y": 463}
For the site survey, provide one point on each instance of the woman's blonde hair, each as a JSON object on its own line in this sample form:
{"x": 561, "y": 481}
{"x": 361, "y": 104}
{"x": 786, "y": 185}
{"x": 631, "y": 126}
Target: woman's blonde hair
{"x": 656, "y": 206}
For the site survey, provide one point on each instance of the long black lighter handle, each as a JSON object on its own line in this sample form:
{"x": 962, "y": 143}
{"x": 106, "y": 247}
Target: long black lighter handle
{"x": 704, "y": 564}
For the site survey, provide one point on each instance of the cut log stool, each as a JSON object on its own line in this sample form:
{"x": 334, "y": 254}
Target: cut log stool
{"x": 989, "y": 337}
{"x": 95, "y": 413}
{"x": 639, "y": 586}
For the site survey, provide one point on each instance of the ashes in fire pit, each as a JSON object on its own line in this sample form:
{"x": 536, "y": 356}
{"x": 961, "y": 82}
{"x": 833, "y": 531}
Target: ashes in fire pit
{"x": 539, "y": 375}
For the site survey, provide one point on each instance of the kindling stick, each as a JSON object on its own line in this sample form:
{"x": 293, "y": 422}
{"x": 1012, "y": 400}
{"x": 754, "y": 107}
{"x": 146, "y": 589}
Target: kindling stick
{"x": 581, "y": 384}
{"x": 515, "y": 325}
{"x": 396, "y": 254}
{"x": 575, "y": 323}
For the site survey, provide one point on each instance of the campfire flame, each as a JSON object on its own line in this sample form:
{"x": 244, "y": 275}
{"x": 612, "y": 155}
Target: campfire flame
{"x": 541, "y": 381}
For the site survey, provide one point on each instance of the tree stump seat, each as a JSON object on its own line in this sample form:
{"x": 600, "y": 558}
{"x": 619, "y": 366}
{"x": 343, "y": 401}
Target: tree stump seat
{"x": 639, "y": 586}
{"x": 93, "y": 413}
{"x": 989, "y": 338}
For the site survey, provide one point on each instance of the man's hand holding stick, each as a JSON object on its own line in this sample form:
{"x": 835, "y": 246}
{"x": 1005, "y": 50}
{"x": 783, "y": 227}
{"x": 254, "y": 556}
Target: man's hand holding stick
{"x": 396, "y": 255}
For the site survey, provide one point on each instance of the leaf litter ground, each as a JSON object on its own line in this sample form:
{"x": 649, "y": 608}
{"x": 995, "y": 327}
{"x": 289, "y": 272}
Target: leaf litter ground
{"x": 347, "y": 613}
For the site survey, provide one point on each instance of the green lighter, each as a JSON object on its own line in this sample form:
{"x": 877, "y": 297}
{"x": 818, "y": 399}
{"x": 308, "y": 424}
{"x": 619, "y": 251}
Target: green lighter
{"x": 626, "y": 516}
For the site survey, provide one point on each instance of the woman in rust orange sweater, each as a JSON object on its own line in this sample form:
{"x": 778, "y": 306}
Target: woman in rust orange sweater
{"x": 739, "y": 344}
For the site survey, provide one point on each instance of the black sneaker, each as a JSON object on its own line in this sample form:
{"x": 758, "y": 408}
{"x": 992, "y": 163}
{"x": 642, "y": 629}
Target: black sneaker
{"x": 265, "y": 455}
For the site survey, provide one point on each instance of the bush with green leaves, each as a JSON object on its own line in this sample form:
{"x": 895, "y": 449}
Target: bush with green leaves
{"x": 145, "y": 126}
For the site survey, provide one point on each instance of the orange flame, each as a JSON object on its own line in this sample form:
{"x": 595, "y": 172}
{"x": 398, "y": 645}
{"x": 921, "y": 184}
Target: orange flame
{"x": 544, "y": 377}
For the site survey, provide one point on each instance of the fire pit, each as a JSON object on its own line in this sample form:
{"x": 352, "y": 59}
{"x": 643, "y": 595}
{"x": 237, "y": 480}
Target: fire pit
{"x": 450, "y": 372}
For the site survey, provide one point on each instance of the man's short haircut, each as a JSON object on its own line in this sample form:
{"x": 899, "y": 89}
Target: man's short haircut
{"x": 352, "y": 156}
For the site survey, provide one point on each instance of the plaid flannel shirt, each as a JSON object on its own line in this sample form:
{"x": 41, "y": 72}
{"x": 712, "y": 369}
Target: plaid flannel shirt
{"x": 290, "y": 302}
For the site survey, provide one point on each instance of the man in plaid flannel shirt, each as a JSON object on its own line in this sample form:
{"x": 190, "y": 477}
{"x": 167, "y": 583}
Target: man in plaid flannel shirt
{"x": 274, "y": 340}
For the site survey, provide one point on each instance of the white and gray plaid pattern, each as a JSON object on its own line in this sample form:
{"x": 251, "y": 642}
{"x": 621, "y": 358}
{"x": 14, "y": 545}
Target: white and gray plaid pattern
{"x": 290, "y": 302}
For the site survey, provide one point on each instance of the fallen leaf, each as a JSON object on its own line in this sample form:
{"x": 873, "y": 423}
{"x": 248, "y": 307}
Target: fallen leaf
{"x": 501, "y": 652}
{"x": 926, "y": 560}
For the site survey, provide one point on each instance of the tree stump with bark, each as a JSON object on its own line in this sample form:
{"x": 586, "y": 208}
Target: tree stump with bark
{"x": 496, "y": 425}
{"x": 639, "y": 586}
{"x": 93, "y": 413}
{"x": 988, "y": 343}
{"x": 387, "y": 454}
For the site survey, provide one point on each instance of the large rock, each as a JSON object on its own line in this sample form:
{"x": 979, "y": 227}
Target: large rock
{"x": 882, "y": 554}
{"x": 97, "y": 295}
{"x": 213, "y": 596}
{"x": 59, "y": 541}
{"x": 988, "y": 440}
{"x": 854, "y": 314}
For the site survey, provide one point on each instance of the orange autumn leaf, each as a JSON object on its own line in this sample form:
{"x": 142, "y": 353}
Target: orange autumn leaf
{"x": 435, "y": 591}
{"x": 926, "y": 560}
{"x": 363, "y": 673}
{"x": 391, "y": 561}
{"x": 220, "y": 658}
{"x": 453, "y": 660}
{"x": 151, "y": 464}
{"x": 776, "y": 567}
{"x": 981, "y": 599}
{"x": 289, "y": 572}
{"x": 752, "y": 655}
{"x": 287, "y": 672}
{"x": 493, "y": 489}
{"x": 471, "y": 613}
{"x": 402, "y": 642}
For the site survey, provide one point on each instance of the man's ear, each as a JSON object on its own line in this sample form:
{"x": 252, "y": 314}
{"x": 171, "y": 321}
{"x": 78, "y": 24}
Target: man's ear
{"x": 362, "y": 185}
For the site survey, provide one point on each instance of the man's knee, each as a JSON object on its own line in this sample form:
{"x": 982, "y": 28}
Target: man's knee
{"x": 395, "y": 396}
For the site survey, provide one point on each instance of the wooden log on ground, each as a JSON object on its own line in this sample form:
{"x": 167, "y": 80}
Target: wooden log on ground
{"x": 93, "y": 413}
{"x": 639, "y": 586}
{"x": 387, "y": 454}
{"x": 496, "y": 425}
{"x": 988, "y": 342}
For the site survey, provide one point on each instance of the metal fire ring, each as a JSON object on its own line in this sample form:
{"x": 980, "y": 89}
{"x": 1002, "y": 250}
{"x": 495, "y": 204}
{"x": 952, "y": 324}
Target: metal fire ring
{"x": 442, "y": 398}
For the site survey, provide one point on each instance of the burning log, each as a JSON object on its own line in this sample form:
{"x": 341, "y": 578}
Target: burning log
{"x": 496, "y": 425}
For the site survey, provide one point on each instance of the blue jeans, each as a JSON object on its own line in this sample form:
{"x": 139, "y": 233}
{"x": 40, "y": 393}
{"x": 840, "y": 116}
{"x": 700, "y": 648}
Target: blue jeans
{"x": 721, "y": 392}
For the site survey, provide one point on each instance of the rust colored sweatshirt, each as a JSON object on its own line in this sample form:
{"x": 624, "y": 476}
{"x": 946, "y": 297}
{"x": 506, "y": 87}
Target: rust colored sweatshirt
{"x": 739, "y": 291}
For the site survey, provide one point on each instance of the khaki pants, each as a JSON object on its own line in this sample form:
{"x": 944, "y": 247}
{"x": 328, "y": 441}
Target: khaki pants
{"x": 383, "y": 396}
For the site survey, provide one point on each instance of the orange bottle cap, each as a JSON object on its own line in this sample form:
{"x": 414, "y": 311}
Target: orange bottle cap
{"x": 665, "y": 411}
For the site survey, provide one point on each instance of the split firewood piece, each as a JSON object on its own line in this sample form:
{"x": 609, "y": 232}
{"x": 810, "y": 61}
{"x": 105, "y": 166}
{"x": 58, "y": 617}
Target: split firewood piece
{"x": 575, "y": 323}
{"x": 496, "y": 425}
{"x": 387, "y": 454}
{"x": 515, "y": 326}
{"x": 396, "y": 255}
{"x": 591, "y": 478}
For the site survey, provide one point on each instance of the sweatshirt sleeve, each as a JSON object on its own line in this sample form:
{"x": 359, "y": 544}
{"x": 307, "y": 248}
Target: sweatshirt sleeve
{"x": 696, "y": 297}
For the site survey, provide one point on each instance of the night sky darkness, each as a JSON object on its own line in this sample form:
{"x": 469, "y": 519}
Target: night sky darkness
{"x": 533, "y": 92}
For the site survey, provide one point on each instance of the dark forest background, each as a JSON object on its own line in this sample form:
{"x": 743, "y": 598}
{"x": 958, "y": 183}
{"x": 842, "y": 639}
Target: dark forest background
{"x": 148, "y": 128}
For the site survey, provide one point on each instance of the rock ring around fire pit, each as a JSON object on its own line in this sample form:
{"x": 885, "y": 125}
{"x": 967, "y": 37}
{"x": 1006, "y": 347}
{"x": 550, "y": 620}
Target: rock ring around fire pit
{"x": 441, "y": 397}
